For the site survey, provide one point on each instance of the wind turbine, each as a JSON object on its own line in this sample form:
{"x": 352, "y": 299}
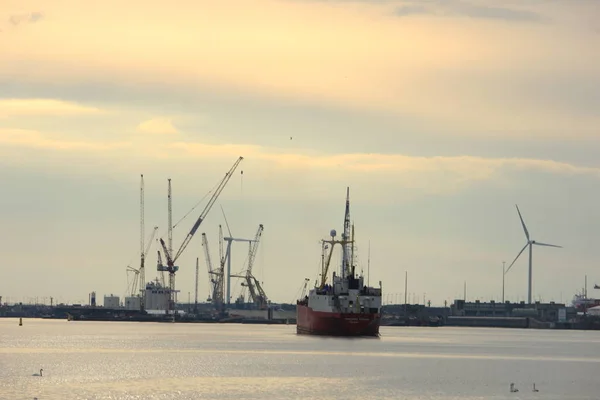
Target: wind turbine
{"x": 529, "y": 243}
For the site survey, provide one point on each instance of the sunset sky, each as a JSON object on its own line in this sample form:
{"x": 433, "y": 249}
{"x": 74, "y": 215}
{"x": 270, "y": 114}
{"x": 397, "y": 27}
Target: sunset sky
{"x": 440, "y": 115}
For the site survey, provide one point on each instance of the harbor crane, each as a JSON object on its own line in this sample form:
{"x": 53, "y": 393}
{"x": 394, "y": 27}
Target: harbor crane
{"x": 139, "y": 273}
{"x": 222, "y": 261}
{"x": 215, "y": 277}
{"x": 257, "y": 294}
{"x": 134, "y": 283}
{"x": 171, "y": 258}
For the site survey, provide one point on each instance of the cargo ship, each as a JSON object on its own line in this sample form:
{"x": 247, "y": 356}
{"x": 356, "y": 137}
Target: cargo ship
{"x": 346, "y": 306}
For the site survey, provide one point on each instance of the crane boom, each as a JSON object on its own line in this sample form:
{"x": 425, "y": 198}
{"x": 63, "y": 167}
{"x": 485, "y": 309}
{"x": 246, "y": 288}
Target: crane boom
{"x": 254, "y": 249}
{"x": 207, "y": 208}
{"x": 257, "y": 294}
{"x": 220, "y": 297}
{"x": 150, "y": 241}
{"x": 135, "y": 279}
{"x": 208, "y": 265}
{"x": 142, "y": 270}
{"x": 170, "y": 258}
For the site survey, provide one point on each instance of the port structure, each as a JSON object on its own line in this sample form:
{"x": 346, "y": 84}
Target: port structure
{"x": 229, "y": 239}
{"x": 140, "y": 274}
{"x": 171, "y": 257}
{"x": 257, "y": 294}
{"x": 215, "y": 275}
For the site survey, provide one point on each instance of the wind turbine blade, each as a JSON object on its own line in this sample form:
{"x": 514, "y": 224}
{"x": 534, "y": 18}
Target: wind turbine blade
{"x": 546, "y": 244}
{"x": 522, "y": 223}
{"x": 522, "y": 250}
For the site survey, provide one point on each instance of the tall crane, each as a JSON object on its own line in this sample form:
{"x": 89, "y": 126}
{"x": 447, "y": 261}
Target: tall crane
{"x": 196, "y": 287}
{"x": 222, "y": 261}
{"x": 139, "y": 273}
{"x": 216, "y": 277}
{"x": 160, "y": 267}
{"x": 211, "y": 279}
{"x": 142, "y": 271}
{"x": 143, "y": 248}
{"x": 168, "y": 252}
{"x": 257, "y": 294}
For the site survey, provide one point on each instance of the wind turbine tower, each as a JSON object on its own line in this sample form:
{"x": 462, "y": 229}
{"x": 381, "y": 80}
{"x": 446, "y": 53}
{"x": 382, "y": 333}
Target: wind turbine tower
{"x": 530, "y": 243}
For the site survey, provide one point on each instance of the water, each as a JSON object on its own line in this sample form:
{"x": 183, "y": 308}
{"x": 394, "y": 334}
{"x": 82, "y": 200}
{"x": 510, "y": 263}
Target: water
{"x": 113, "y": 360}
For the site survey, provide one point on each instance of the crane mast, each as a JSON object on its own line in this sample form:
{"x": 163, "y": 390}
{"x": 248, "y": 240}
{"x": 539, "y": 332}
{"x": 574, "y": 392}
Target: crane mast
{"x": 142, "y": 277}
{"x": 257, "y": 294}
{"x": 140, "y": 272}
{"x": 254, "y": 249}
{"x": 170, "y": 239}
{"x": 196, "y": 287}
{"x": 143, "y": 248}
{"x": 213, "y": 282}
{"x": 222, "y": 261}
{"x": 170, "y": 267}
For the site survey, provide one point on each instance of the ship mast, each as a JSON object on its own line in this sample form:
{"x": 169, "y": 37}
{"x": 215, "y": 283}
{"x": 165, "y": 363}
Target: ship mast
{"x": 352, "y": 265}
{"x": 347, "y": 247}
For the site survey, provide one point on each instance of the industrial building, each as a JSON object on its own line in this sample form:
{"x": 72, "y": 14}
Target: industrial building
{"x": 549, "y": 312}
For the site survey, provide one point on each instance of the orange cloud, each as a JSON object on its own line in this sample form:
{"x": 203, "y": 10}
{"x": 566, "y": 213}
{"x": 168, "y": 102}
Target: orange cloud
{"x": 477, "y": 167}
{"x": 34, "y": 139}
{"x": 357, "y": 56}
{"x": 19, "y": 107}
{"x": 157, "y": 126}
{"x": 411, "y": 170}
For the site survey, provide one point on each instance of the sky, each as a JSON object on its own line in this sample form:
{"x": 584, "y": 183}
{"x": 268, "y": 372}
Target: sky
{"x": 439, "y": 115}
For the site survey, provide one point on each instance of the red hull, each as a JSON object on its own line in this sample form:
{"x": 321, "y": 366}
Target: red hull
{"x": 313, "y": 322}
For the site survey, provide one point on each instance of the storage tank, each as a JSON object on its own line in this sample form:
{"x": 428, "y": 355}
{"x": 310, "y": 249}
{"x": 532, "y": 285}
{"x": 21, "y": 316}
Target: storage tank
{"x": 111, "y": 301}
{"x": 132, "y": 303}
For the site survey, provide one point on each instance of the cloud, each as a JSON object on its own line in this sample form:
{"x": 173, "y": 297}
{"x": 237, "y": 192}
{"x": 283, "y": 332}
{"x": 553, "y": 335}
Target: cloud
{"x": 458, "y": 8}
{"x": 368, "y": 62}
{"x": 432, "y": 175}
{"x": 158, "y": 126}
{"x": 34, "y": 139}
{"x": 18, "y": 19}
{"x": 20, "y": 107}
{"x": 449, "y": 8}
{"x": 362, "y": 162}
{"x": 413, "y": 10}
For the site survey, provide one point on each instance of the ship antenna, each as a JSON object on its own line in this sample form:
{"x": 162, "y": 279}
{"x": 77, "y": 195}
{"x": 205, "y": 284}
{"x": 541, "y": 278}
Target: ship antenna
{"x": 369, "y": 265}
{"x": 346, "y": 236}
{"x": 352, "y": 263}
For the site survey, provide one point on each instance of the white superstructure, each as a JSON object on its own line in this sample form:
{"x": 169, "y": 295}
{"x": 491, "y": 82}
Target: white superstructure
{"x": 111, "y": 301}
{"x": 157, "y": 296}
{"x": 339, "y": 297}
{"x": 133, "y": 302}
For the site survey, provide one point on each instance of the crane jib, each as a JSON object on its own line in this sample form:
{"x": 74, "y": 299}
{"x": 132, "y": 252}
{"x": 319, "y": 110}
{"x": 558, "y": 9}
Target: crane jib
{"x": 170, "y": 258}
{"x": 196, "y": 226}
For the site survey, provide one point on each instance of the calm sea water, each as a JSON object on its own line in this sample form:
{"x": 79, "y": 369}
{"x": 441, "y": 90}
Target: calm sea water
{"x": 104, "y": 360}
